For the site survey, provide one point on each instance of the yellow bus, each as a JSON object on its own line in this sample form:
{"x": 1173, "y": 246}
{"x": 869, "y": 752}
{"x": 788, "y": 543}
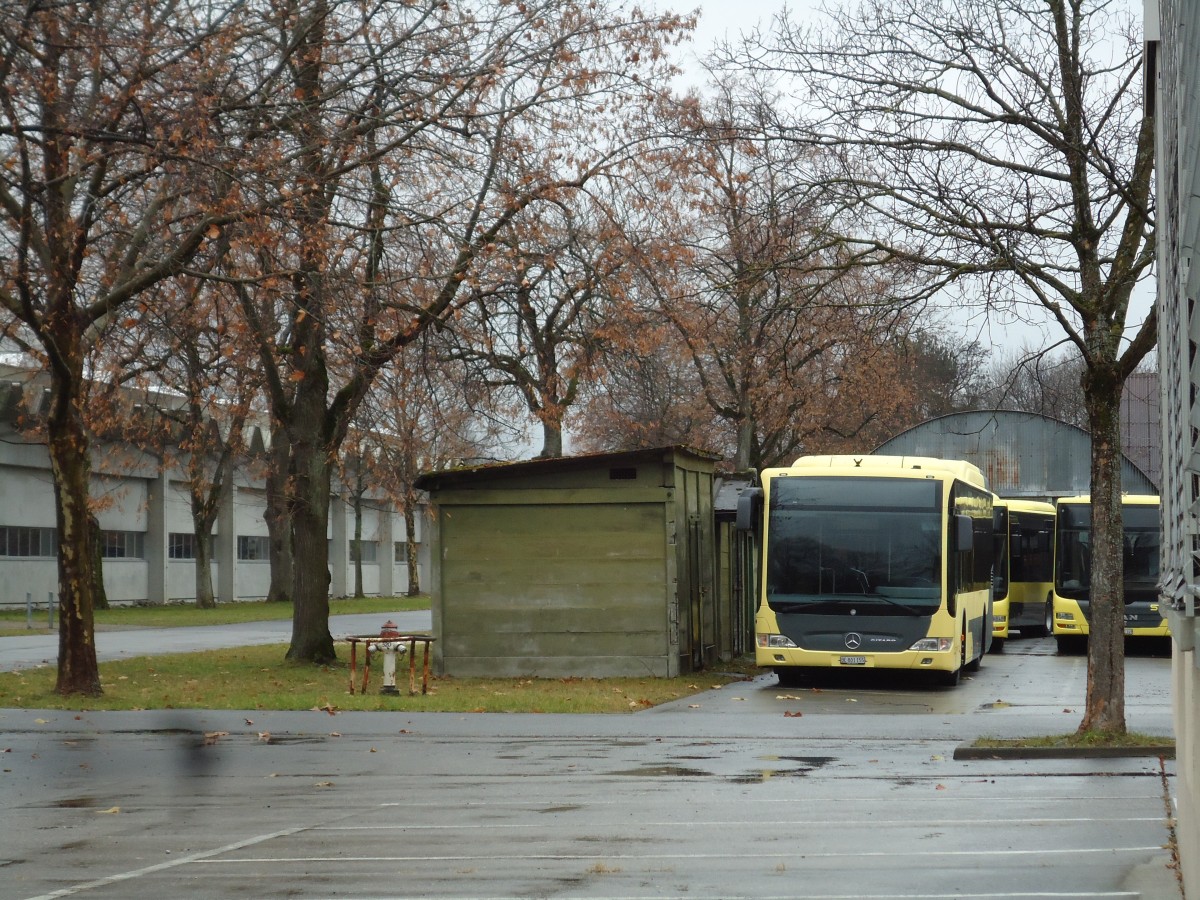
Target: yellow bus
{"x": 873, "y": 562}
{"x": 1024, "y": 576}
{"x": 1073, "y": 566}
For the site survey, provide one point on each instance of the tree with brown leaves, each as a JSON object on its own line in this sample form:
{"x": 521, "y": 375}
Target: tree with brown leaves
{"x": 1002, "y": 147}
{"x": 104, "y": 108}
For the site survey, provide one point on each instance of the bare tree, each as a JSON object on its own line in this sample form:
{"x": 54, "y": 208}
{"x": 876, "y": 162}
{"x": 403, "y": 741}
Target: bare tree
{"x": 544, "y": 311}
{"x": 786, "y": 336}
{"x": 402, "y": 143}
{"x": 1005, "y": 144}
{"x": 103, "y": 108}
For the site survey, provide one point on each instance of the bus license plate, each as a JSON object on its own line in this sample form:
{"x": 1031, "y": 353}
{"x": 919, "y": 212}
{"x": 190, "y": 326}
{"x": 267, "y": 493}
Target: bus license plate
{"x": 853, "y": 660}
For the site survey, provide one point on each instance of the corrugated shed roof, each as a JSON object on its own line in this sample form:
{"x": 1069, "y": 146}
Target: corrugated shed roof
{"x": 1021, "y": 454}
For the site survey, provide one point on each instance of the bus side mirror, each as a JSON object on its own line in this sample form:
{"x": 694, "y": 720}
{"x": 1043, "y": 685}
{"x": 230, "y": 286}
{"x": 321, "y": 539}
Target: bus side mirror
{"x": 964, "y": 533}
{"x": 749, "y": 508}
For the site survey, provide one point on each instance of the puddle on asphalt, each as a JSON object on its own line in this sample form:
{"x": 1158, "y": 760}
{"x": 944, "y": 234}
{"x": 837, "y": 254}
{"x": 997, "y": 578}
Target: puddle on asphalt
{"x": 665, "y": 771}
{"x": 795, "y": 767}
{"x": 293, "y": 739}
{"x": 76, "y": 803}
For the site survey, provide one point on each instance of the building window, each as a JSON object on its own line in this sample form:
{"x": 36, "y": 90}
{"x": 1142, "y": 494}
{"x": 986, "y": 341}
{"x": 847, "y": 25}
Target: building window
{"x": 400, "y": 551}
{"x": 368, "y": 549}
{"x": 253, "y": 547}
{"x": 181, "y": 545}
{"x": 122, "y": 544}
{"x": 17, "y": 540}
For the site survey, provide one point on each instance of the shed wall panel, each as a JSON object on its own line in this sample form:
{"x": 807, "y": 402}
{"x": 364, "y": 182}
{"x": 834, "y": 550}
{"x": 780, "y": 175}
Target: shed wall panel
{"x": 535, "y": 589}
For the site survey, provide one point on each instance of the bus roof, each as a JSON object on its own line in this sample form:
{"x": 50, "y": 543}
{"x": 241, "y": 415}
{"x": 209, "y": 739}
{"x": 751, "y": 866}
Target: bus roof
{"x": 956, "y": 468}
{"x": 1020, "y": 504}
{"x": 1126, "y": 500}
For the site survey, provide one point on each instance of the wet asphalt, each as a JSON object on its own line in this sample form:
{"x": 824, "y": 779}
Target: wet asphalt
{"x": 842, "y": 788}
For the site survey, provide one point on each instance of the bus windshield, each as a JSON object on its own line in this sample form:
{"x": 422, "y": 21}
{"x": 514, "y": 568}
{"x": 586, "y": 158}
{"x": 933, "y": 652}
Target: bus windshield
{"x": 833, "y": 541}
{"x": 1074, "y": 556}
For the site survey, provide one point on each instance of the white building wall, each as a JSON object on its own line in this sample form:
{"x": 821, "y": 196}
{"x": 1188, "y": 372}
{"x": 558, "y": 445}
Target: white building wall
{"x": 141, "y": 499}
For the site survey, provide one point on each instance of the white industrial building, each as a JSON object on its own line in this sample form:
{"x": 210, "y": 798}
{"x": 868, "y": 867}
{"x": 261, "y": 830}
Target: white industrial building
{"x": 148, "y": 537}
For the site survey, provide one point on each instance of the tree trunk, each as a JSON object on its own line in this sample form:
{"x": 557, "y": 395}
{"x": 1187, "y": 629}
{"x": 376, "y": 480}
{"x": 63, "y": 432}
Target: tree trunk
{"x": 745, "y": 438}
{"x": 552, "y": 439}
{"x": 410, "y": 548}
{"x": 205, "y": 598}
{"x": 279, "y": 523}
{"x": 309, "y": 505}
{"x": 358, "y": 563}
{"x": 78, "y": 670}
{"x": 100, "y": 601}
{"x": 1105, "y": 703}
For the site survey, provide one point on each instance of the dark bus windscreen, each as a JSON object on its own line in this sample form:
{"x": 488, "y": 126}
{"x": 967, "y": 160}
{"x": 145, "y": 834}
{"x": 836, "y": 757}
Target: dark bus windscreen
{"x": 1073, "y": 557}
{"x": 833, "y": 539}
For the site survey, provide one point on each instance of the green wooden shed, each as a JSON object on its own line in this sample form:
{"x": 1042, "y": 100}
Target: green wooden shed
{"x": 591, "y": 566}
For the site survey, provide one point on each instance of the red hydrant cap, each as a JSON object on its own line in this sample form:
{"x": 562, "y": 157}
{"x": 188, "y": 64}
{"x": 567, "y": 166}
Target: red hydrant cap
{"x": 389, "y": 629}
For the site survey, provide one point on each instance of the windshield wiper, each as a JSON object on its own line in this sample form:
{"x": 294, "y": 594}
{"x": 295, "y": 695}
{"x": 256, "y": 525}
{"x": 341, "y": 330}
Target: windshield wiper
{"x": 911, "y": 610}
{"x": 808, "y": 605}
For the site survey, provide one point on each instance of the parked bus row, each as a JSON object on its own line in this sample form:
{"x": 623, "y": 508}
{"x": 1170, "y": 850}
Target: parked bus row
{"x": 912, "y": 563}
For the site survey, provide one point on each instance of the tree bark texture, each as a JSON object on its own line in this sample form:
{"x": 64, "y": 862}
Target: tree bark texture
{"x": 78, "y": 669}
{"x": 279, "y": 523}
{"x": 311, "y": 481}
{"x": 1105, "y": 704}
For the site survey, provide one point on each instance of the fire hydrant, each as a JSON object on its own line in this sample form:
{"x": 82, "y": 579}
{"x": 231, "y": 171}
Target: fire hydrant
{"x": 389, "y": 650}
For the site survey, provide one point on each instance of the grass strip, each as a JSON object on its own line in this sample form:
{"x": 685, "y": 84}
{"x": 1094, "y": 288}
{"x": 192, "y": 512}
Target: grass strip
{"x": 248, "y": 678}
{"x": 1076, "y": 740}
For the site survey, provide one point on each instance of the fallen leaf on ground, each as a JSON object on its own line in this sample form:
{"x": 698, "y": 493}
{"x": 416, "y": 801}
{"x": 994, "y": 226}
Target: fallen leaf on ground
{"x": 793, "y": 715}
{"x": 111, "y": 811}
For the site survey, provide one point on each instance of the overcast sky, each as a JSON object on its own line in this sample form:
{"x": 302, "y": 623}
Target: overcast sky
{"x": 727, "y": 19}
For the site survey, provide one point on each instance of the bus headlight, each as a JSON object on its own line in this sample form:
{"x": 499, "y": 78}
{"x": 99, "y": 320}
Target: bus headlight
{"x": 774, "y": 640}
{"x": 1065, "y": 616}
{"x": 933, "y": 645}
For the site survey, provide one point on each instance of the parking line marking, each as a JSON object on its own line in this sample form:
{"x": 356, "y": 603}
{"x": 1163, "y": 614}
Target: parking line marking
{"x": 159, "y": 867}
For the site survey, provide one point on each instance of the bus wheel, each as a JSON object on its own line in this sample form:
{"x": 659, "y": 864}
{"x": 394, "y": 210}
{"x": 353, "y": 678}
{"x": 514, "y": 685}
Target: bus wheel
{"x": 1071, "y": 644}
{"x": 1047, "y": 625}
{"x": 951, "y": 679}
{"x": 788, "y": 677}
{"x": 974, "y": 665}
{"x": 997, "y": 645}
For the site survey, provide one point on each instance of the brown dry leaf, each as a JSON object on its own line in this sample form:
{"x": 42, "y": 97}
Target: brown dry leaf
{"x": 324, "y": 784}
{"x": 211, "y": 737}
{"x": 793, "y": 715}
{"x": 264, "y": 736}
{"x": 940, "y": 787}
{"x": 111, "y": 811}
